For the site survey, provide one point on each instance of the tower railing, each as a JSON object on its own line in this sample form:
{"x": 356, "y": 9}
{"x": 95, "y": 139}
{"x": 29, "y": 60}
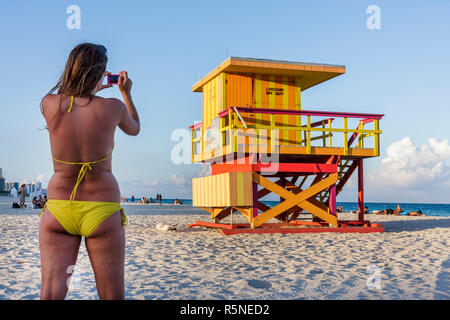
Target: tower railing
{"x": 265, "y": 121}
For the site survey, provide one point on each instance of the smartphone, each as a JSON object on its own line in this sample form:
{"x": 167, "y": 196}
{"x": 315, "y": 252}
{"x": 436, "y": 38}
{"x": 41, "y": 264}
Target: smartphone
{"x": 113, "y": 78}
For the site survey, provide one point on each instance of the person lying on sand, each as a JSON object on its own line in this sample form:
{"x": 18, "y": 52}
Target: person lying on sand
{"x": 402, "y": 213}
{"x": 414, "y": 213}
{"x": 384, "y": 212}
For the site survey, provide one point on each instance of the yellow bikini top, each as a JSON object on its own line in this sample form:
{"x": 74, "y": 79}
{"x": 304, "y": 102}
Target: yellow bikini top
{"x": 84, "y": 165}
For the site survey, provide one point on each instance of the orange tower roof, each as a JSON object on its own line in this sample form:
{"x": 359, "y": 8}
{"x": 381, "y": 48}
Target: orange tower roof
{"x": 310, "y": 74}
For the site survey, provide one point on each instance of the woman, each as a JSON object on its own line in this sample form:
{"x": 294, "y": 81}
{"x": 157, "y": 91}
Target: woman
{"x": 83, "y": 195}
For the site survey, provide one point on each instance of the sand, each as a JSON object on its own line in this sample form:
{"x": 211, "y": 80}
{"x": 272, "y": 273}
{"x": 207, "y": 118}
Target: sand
{"x": 410, "y": 260}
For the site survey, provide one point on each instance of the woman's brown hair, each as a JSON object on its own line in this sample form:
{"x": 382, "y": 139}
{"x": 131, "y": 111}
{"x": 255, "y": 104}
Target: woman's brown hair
{"x": 84, "y": 69}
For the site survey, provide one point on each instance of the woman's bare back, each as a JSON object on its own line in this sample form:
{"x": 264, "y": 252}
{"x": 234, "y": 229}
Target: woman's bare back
{"x": 85, "y": 134}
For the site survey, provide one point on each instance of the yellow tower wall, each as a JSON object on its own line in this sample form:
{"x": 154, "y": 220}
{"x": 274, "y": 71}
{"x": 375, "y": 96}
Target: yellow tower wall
{"x": 254, "y": 91}
{"x": 223, "y": 190}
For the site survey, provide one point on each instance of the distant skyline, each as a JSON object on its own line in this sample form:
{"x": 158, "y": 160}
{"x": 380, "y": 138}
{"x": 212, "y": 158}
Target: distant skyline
{"x": 401, "y": 70}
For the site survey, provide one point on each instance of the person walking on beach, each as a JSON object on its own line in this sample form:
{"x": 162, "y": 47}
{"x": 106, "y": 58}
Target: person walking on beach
{"x": 83, "y": 195}
{"x": 22, "y": 196}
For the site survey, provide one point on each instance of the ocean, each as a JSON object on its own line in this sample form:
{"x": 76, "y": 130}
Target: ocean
{"x": 429, "y": 209}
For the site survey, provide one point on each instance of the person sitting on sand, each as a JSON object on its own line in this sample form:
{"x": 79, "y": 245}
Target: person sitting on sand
{"x": 37, "y": 203}
{"x": 143, "y": 200}
{"x": 34, "y": 203}
{"x": 340, "y": 209}
{"x": 398, "y": 210}
{"x": 366, "y": 210}
{"x": 41, "y": 202}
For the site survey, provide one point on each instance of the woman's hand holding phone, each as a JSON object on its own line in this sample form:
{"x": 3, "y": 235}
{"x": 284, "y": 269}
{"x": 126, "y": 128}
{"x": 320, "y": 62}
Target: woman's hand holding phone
{"x": 101, "y": 86}
{"x": 124, "y": 83}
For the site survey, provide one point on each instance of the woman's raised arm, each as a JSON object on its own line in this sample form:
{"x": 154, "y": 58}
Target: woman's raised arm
{"x": 129, "y": 122}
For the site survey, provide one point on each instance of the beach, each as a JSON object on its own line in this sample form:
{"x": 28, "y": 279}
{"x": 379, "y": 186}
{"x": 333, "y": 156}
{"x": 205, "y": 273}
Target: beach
{"x": 410, "y": 260}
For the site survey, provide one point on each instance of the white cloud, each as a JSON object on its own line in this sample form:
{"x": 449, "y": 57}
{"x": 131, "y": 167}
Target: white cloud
{"x": 186, "y": 180}
{"x": 415, "y": 168}
{"x": 176, "y": 185}
{"x": 179, "y": 180}
{"x": 156, "y": 182}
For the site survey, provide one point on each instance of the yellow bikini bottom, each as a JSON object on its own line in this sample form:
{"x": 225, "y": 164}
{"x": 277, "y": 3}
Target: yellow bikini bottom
{"x": 82, "y": 217}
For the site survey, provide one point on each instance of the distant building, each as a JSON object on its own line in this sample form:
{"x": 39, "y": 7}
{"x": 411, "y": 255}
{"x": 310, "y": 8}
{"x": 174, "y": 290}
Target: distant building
{"x": 8, "y": 186}
{"x": 2, "y": 181}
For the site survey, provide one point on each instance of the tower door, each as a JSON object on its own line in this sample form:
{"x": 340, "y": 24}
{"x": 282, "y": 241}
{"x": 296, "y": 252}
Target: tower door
{"x": 239, "y": 90}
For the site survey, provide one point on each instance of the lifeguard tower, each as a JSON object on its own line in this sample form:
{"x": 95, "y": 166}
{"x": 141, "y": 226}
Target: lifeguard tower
{"x": 259, "y": 141}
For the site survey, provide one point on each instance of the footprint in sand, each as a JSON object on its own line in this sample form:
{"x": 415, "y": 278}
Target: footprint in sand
{"x": 259, "y": 284}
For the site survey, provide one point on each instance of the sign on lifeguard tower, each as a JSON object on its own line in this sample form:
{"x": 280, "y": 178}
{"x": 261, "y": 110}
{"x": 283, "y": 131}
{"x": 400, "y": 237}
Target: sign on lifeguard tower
{"x": 259, "y": 141}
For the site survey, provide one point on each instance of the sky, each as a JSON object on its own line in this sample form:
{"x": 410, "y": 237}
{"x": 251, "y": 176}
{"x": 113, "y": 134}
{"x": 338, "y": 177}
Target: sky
{"x": 401, "y": 70}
